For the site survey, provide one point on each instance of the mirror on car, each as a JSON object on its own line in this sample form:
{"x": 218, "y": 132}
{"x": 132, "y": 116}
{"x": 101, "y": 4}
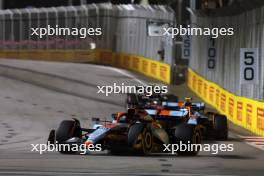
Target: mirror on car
{"x": 95, "y": 119}
{"x": 114, "y": 116}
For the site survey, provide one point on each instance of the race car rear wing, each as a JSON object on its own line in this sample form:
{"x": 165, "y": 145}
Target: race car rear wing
{"x": 167, "y": 113}
{"x": 198, "y": 106}
{"x": 171, "y": 104}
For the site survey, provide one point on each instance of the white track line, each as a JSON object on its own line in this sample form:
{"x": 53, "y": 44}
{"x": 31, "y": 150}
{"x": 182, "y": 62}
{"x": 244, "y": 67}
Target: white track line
{"x": 102, "y": 173}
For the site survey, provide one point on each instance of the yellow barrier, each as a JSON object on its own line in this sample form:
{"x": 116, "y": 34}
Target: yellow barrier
{"x": 148, "y": 67}
{"x": 155, "y": 69}
{"x": 241, "y": 111}
{"x": 51, "y": 55}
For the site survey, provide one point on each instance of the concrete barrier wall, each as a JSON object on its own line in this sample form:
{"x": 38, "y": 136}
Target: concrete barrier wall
{"x": 124, "y": 29}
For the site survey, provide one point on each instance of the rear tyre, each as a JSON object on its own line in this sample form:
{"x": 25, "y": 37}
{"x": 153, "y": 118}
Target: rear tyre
{"x": 147, "y": 143}
{"x": 188, "y": 134}
{"x": 66, "y": 130}
{"x": 220, "y": 127}
{"x": 140, "y": 139}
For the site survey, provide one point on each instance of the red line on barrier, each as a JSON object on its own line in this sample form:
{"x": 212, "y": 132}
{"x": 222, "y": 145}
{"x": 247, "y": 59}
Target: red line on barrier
{"x": 217, "y": 92}
{"x": 231, "y": 101}
{"x": 153, "y": 68}
{"x": 145, "y": 66}
{"x": 260, "y": 123}
{"x": 199, "y": 85}
{"x": 260, "y": 112}
{"x": 239, "y": 105}
{"x": 205, "y": 90}
{"x": 163, "y": 71}
{"x": 223, "y": 97}
{"x": 249, "y": 108}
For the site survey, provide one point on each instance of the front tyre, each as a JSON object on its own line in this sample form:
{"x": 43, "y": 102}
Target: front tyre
{"x": 220, "y": 127}
{"x": 66, "y": 130}
{"x": 147, "y": 143}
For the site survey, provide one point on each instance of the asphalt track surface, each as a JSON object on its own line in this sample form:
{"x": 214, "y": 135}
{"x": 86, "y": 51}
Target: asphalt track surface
{"x": 36, "y": 96}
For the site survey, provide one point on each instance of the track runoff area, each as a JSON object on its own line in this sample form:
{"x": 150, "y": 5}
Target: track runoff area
{"x": 36, "y": 96}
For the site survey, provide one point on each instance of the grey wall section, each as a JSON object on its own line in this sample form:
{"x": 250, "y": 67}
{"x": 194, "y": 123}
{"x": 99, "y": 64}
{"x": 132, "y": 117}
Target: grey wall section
{"x": 124, "y": 28}
{"x": 131, "y": 31}
{"x": 248, "y": 33}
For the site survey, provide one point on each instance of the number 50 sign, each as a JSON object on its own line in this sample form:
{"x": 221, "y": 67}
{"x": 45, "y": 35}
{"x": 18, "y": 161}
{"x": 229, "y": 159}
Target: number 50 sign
{"x": 249, "y": 58}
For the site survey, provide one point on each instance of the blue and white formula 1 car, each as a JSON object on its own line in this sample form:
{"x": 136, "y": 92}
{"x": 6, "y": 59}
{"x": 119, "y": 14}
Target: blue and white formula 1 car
{"x": 137, "y": 131}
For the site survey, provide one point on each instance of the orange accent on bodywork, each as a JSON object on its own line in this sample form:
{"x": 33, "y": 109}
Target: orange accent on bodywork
{"x": 180, "y": 104}
{"x": 156, "y": 125}
{"x": 88, "y": 142}
{"x": 119, "y": 116}
{"x": 110, "y": 125}
{"x": 164, "y": 112}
